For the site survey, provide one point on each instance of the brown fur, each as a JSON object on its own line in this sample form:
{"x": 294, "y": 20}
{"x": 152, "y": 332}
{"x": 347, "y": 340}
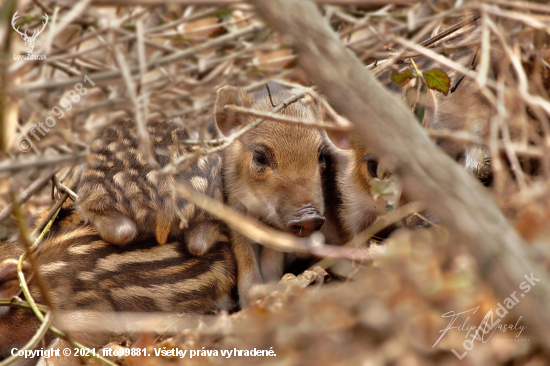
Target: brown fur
{"x": 83, "y": 272}
{"x": 465, "y": 108}
{"x": 286, "y": 188}
{"x": 357, "y": 167}
{"x": 122, "y": 196}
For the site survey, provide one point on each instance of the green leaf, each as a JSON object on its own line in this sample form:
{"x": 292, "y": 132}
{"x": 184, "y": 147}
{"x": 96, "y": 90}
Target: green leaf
{"x": 438, "y": 80}
{"x": 401, "y": 78}
{"x": 221, "y": 13}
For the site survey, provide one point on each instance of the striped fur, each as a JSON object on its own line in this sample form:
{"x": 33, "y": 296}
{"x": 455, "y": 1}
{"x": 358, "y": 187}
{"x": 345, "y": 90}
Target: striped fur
{"x": 83, "y": 272}
{"x": 126, "y": 198}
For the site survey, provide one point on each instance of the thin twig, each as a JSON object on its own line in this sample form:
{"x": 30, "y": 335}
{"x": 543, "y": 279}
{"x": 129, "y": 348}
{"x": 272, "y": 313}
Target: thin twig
{"x": 42, "y": 162}
{"x": 55, "y": 209}
{"x": 290, "y": 120}
{"x": 116, "y": 74}
{"x": 470, "y": 139}
{"x": 263, "y": 234}
{"x": 381, "y": 223}
{"x": 29, "y": 191}
{"x": 226, "y": 142}
{"x": 63, "y": 188}
{"x": 142, "y": 134}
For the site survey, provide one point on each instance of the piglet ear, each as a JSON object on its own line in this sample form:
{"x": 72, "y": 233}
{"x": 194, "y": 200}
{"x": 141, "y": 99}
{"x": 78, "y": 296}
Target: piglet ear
{"x": 341, "y": 140}
{"x": 9, "y": 283}
{"x": 227, "y": 120}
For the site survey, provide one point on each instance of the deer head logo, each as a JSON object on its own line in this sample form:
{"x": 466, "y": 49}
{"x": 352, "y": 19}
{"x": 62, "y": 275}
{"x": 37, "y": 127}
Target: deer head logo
{"x": 29, "y": 41}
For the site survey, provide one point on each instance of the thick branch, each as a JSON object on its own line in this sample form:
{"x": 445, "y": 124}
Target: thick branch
{"x": 429, "y": 175}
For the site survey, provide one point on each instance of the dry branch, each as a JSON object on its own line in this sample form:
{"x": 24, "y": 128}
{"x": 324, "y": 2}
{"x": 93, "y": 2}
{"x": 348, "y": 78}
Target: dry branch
{"x": 116, "y": 74}
{"x": 267, "y": 236}
{"x": 232, "y": 2}
{"x": 192, "y": 50}
{"x": 63, "y": 188}
{"x": 54, "y": 210}
{"x": 381, "y": 223}
{"x": 285, "y": 119}
{"x": 37, "y": 162}
{"x": 468, "y": 138}
{"x": 430, "y": 176}
{"x": 29, "y": 191}
{"x": 225, "y": 142}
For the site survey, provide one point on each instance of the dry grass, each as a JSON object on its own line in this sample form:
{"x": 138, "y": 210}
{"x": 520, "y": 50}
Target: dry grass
{"x": 153, "y": 60}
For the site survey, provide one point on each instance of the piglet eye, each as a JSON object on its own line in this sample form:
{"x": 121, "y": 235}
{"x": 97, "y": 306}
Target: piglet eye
{"x": 372, "y": 165}
{"x": 260, "y": 158}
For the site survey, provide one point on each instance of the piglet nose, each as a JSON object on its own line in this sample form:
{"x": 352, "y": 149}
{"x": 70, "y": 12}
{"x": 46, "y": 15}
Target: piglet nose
{"x": 306, "y": 225}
